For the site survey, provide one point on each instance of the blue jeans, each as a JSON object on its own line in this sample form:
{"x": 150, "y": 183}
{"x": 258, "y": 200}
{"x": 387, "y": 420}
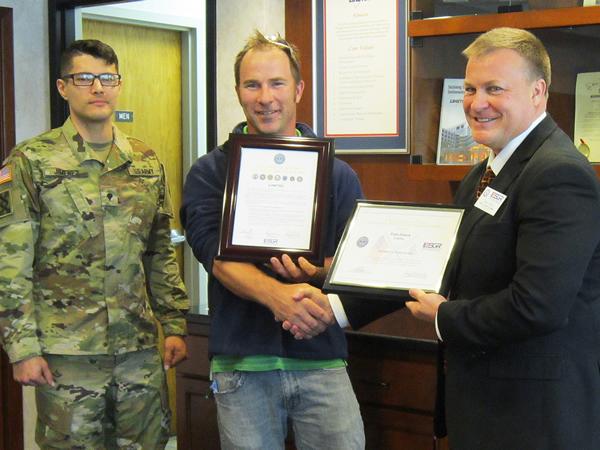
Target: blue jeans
{"x": 253, "y": 409}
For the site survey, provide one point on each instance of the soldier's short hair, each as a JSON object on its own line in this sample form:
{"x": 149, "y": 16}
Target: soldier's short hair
{"x": 523, "y": 42}
{"x": 261, "y": 42}
{"x": 91, "y": 47}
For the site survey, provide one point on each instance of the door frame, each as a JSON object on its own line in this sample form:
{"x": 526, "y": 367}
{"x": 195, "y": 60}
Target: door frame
{"x": 61, "y": 32}
{"x": 11, "y": 395}
{"x": 192, "y": 92}
{"x": 199, "y": 131}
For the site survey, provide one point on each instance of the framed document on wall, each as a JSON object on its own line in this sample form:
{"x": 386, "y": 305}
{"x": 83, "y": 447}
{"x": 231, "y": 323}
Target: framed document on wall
{"x": 390, "y": 247}
{"x": 276, "y": 197}
{"x": 361, "y": 81}
{"x": 587, "y": 115}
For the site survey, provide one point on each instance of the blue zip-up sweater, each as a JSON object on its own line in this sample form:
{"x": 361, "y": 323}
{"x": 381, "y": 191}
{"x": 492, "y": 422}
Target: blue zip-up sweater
{"x": 240, "y": 327}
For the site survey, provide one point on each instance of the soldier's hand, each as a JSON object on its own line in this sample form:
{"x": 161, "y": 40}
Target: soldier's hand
{"x": 33, "y": 372}
{"x": 175, "y": 351}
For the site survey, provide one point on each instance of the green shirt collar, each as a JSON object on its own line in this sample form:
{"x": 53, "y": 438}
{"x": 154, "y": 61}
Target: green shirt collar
{"x": 245, "y": 131}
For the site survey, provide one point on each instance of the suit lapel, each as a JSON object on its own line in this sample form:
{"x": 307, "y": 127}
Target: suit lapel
{"x": 466, "y": 194}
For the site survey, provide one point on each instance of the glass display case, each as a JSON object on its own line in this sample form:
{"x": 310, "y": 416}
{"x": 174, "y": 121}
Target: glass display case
{"x": 441, "y": 8}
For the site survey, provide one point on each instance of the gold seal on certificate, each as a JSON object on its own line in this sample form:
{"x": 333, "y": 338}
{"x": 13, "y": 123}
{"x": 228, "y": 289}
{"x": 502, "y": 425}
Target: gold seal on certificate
{"x": 390, "y": 247}
{"x": 275, "y": 198}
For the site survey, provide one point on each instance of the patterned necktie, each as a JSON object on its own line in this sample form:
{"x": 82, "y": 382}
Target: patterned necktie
{"x": 486, "y": 179}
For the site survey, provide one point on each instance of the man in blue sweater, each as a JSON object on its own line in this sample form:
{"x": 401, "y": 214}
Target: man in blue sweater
{"x": 262, "y": 376}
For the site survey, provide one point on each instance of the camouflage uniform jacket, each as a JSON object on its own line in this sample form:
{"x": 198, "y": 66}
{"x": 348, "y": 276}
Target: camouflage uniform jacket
{"x": 86, "y": 261}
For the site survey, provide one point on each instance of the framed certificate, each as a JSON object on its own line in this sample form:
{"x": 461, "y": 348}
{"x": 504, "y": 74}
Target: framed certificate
{"x": 389, "y": 247}
{"x": 276, "y": 197}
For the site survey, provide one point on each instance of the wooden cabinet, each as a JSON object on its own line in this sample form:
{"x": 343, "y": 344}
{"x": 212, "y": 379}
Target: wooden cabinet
{"x": 394, "y": 380}
{"x": 11, "y": 407}
{"x": 196, "y": 410}
{"x": 571, "y": 35}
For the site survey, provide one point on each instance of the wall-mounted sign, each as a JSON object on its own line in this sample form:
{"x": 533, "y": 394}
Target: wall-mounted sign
{"x": 123, "y": 116}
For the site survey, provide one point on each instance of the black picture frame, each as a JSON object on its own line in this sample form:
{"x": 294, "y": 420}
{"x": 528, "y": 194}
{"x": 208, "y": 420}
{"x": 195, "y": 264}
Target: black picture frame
{"x": 324, "y": 149}
{"x": 359, "y": 288}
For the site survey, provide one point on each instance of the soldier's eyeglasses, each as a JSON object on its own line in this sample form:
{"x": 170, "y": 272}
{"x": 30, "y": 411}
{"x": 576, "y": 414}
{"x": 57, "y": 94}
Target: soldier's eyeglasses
{"x": 87, "y": 79}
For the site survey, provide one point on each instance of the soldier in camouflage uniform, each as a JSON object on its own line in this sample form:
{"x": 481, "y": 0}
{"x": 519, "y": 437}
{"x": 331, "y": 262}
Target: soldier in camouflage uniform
{"x": 86, "y": 266}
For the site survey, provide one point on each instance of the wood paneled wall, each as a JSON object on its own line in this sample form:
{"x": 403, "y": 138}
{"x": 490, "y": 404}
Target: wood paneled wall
{"x": 298, "y": 27}
{"x": 383, "y": 177}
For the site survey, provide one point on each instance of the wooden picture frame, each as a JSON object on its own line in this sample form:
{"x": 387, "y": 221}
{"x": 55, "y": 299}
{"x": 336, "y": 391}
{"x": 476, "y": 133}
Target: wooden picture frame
{"x": 276, "y": 197}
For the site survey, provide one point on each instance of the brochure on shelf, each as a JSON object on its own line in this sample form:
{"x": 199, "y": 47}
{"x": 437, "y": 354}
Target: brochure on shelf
{"x": 455, "y": 141}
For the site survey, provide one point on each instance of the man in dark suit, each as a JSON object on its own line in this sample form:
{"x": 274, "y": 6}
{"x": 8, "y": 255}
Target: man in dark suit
{"x": 521, "y": 329}
{"x": 520, "y": 320}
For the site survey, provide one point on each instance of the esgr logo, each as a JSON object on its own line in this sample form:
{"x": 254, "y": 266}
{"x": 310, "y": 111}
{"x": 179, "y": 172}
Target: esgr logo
{"x": 432, "y": 245}
{"x": 362, "y": 241}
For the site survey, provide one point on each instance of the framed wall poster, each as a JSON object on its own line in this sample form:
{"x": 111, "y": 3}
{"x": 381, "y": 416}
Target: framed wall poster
{"x": 360, "y": 52}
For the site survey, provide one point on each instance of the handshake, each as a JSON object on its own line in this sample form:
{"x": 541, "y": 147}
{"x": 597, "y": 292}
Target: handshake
{"x": 310, "y": 312}
{"x": 303, "y": 309}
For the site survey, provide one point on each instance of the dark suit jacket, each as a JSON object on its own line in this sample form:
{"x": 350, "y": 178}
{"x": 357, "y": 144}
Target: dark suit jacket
{"x": 522, "y": 329}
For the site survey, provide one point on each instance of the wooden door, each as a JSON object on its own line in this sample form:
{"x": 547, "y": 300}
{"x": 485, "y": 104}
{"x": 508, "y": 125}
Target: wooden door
{"x": 150, "y": 63}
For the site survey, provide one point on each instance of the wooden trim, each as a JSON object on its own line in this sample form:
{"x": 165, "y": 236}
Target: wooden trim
{"x": 544, "y": 18}
{"x": 11, "y": 397}
{"x": 211, "y": 74}
{"x": 433, "y": 172}
{"x": 7, "y": 90}
{"x": 11, "y": 408}
{"x": 298, "y": 31}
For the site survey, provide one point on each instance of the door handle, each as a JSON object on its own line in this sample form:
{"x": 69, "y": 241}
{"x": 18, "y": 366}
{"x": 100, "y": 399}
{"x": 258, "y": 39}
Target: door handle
{"x": 176, "y": 237}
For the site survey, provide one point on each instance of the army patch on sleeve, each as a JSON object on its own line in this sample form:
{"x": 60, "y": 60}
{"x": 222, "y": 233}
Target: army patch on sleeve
{"x": 5, "y": 203}
{"x": 5, "y": 174}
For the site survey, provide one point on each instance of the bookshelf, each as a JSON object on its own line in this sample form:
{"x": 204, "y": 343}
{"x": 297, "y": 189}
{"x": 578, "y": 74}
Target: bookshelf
{"x": 571, "y": 35}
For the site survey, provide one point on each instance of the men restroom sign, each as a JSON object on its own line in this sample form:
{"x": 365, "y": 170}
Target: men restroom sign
{"x": 124, "y": 116}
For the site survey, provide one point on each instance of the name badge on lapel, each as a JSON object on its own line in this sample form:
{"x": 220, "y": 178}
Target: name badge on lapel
{"x": 490, "y": 201}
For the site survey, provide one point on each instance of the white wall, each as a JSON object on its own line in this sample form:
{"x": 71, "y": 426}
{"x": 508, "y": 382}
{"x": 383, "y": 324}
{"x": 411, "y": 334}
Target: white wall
{"x": 32, "y": 100}
{"x": 32, "y": 110}
{"x": 236, "y": 21}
